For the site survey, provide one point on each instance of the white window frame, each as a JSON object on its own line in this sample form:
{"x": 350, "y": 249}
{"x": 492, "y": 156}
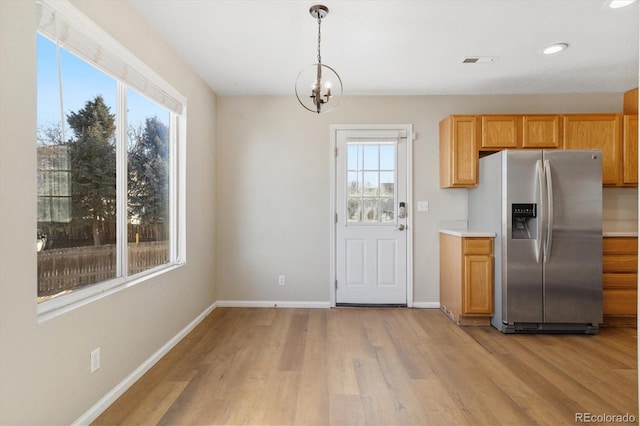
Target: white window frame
{"x": 159, "y": 88}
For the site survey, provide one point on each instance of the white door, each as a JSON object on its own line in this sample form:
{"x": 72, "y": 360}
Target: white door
{"x": 371, "y": 227}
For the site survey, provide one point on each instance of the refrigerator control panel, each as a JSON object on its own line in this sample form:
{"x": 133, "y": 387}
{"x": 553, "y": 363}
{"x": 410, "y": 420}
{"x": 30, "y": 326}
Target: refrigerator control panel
{"x": 523, "y": 210}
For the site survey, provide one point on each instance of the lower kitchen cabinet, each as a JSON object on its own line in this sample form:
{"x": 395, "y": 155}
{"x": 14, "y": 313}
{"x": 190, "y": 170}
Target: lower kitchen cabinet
{"x": 619, "y": 281}
{"x": 466, "y": 278}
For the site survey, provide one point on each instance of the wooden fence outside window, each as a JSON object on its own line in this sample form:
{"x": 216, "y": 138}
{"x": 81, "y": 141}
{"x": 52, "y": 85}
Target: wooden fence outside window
{"x": 67, "y": 269}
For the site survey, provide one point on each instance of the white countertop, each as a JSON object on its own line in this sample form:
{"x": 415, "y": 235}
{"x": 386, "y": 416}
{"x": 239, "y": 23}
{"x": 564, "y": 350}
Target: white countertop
{"x": 610, "y": 228}
{"x": 619, "y": 233}
{"x": 606, "y": 232}
{"x": 467, "y": 233}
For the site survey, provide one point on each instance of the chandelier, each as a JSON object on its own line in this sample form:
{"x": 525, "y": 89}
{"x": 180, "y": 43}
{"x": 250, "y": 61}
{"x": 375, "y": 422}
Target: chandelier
{"x": 318, "y": 86}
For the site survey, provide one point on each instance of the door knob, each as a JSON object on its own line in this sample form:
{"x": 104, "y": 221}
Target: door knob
{"x": 400, "y": 227}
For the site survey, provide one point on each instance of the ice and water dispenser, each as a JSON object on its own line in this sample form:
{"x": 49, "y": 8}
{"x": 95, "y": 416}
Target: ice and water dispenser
{"x": 524, "y": 221}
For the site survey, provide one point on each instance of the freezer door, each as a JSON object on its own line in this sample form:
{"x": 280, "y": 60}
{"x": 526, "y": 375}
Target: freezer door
{"x": 522, "y": 269}
{"x": 573, "y": 254}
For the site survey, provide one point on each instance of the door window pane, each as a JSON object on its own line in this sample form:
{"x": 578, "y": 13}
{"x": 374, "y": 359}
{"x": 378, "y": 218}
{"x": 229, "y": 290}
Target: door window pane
{"x": 370, "y": 157}
{"x": 354, "y": 183}
{"x": 387, "y": 183}
{"x": 387, "y": 157}
{"x": 387, "y": 212}
{"x": 354, "y": 157}
{"x": 354, "y": 210}
{"x": 370, "y": 209}
{"x": 371, "y": 182}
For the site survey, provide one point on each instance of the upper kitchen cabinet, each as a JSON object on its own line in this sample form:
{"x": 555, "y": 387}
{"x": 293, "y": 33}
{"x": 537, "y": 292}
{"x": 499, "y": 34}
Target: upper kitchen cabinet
{"x": 499, "y": 132}
{"x": 597, "y": 131}
{"x": 630, "y": 150}
{"x": 630, "y": 102}
{"x": 541, "y": 131}
{"x": 458, "y": 151}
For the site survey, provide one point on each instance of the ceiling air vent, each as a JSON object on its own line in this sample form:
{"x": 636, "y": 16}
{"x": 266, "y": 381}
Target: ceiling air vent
{"x": 479, "y": 59}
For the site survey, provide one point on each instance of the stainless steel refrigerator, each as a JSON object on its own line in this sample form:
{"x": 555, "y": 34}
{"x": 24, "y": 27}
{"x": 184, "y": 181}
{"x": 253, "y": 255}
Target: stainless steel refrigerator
{"x": 545, "y": 207}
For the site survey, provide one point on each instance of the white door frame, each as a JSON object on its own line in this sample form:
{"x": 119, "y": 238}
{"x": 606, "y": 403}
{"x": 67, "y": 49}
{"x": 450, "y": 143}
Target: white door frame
{"x": 407, "y": 131}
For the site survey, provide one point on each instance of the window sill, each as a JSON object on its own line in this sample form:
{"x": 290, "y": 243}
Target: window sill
{"x": 66, "y": 303}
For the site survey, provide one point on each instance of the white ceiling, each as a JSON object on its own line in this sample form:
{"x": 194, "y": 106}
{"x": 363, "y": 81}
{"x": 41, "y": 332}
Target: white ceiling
{"x": 399, "y": 47}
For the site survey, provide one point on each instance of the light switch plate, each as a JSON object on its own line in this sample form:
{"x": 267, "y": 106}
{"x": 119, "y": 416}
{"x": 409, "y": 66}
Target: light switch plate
{"x": 423, "y": 206}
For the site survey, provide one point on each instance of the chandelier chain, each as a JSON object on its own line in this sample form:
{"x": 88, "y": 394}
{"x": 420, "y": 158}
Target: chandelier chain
{"x": 319, "y": 24}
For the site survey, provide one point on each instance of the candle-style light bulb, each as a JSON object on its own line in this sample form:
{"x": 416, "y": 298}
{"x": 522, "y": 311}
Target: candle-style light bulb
{"x": 328, "y": 87}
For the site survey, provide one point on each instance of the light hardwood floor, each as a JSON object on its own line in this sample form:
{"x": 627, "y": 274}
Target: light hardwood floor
{"x": 363, "y": 366}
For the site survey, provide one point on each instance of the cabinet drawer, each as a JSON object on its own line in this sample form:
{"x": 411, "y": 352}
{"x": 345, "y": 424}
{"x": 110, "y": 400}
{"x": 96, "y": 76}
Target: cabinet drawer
{"x": 619, "y": 281}
{"x": 619, "y": 302}
{"x": 478, "y": 246}
{"x": 619, "y": 245}
{"x": 619, "y": 263}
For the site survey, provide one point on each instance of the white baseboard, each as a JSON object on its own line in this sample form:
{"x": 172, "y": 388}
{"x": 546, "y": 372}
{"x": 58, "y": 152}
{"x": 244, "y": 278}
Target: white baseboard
{"x": 297, "y": 304}
{"x": 426, "y": 305}
{"x": 270, "y": 304}
{"x": 92, "y": 413}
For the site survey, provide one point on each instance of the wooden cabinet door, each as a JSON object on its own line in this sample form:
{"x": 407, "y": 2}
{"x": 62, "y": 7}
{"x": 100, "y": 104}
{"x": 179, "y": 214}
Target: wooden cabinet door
{"x": 630, "y": 150}
{"x": 499, "y": 132}
{"x": 478, "y": 285}
{"x": 541, "y": 131}
{"x": 597, "y": 131}
{"x": 458, "y": 151}
{"x": 450, "y": 275}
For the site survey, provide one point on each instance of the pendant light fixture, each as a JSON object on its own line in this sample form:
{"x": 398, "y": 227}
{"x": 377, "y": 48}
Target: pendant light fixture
{"x": 318, "y": 86}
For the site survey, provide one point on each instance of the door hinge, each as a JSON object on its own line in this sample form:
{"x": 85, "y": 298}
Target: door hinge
{"x": 336, "y": 151}
{"x": 336, "y": 284}
{"x": 336, "y": 217}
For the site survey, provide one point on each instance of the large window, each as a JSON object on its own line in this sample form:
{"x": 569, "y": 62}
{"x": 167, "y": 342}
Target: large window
{"x": 109, "y": 206}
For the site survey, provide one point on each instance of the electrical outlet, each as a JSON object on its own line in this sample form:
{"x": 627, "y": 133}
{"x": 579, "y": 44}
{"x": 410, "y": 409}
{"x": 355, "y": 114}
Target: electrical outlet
{"x": 95, "y": 360}
{"x": 281, "y": 280}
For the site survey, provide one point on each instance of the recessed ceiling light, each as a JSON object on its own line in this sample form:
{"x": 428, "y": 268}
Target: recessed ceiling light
{"x": 617, "y": 4}
{"x": 554, "y": 48}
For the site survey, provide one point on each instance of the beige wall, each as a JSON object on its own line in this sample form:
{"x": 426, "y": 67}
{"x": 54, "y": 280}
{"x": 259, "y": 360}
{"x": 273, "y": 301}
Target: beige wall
{"x": 273, "y": 185}
{"x": 44, "y": 367}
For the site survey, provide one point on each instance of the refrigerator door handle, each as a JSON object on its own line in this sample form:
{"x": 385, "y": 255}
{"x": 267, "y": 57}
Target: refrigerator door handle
{"x": 541, "y": 210}
{"x": 549, "y": 239}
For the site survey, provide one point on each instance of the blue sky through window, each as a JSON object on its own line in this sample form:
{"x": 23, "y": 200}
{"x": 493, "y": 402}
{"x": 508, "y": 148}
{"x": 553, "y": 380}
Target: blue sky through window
{"x": 81, "y": 82}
